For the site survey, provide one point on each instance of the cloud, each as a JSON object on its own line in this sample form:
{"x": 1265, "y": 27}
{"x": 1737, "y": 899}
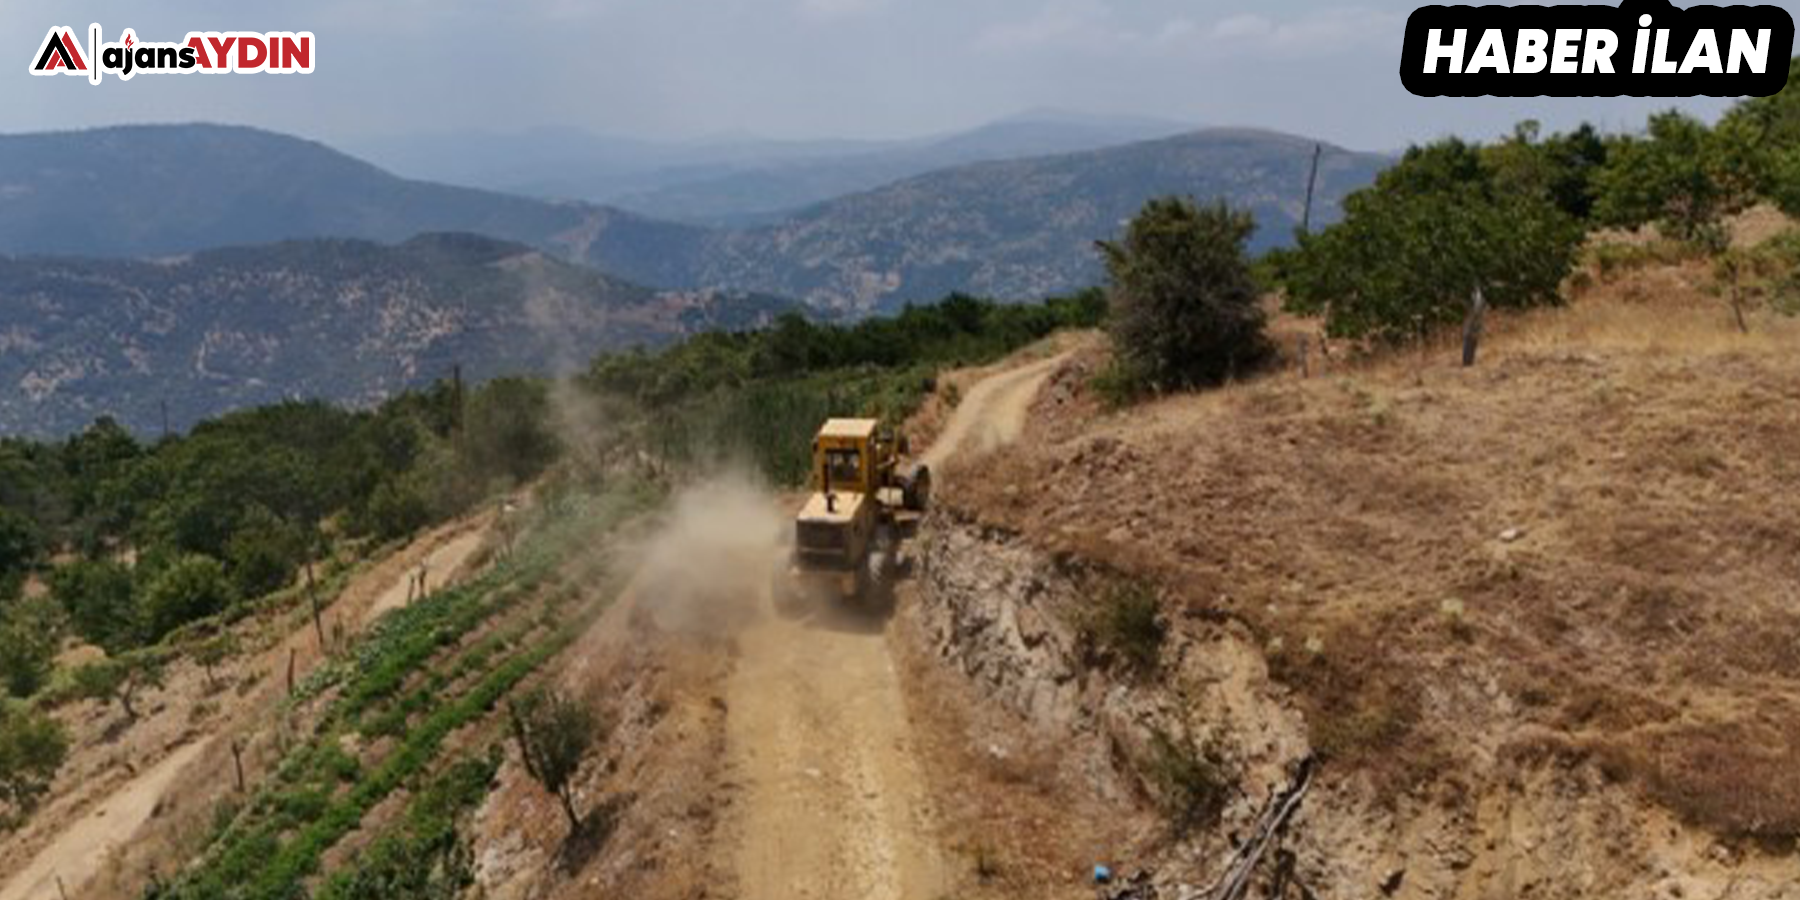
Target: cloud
{"x": 1092, "y": 25}
{"x": 832, "y": 9}
{"x": 1325, "y": 30}
{"x": 1060, "y": 23}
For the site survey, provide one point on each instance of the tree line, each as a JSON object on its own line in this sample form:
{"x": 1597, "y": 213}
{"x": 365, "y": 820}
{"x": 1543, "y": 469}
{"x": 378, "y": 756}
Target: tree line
{"x": 1453, "y": 227}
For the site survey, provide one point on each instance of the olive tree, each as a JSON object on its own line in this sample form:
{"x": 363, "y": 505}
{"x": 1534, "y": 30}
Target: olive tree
{"x": 1428, "y": 244}
{"x": 554, "y": 734}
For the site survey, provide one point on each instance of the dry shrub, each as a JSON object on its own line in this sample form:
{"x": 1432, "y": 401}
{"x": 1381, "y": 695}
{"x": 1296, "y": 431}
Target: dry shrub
{"x": 1735, "y": 778}
{"x": 1609, "y": 260}
{"x": 1361, "y": 714}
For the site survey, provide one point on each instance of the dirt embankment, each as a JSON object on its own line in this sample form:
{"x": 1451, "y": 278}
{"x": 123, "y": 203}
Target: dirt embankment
{"x": 1536, "y": 617}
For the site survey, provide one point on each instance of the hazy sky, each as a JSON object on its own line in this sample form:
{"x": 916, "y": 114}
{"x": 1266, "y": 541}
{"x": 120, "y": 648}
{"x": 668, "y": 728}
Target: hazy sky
{"x": 781, "y": 68}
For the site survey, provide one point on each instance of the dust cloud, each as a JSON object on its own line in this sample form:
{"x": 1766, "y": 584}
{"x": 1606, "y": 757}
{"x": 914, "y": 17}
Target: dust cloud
{"x": 707, "y": 566}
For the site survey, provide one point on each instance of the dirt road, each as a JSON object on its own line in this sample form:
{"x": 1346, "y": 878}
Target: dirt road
{"x": 993, "y": 412}
{"x": 833, "y": 802}
{"x": 78, "y": 851}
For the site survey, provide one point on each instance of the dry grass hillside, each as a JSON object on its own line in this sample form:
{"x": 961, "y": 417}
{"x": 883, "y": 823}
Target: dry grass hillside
{"x": 1584, "y": 550}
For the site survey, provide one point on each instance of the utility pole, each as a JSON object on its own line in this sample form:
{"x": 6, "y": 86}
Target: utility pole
{"x": 1311, "y": 180}
{"x": 456, "y": 395}
{"x": 165, "y": 418}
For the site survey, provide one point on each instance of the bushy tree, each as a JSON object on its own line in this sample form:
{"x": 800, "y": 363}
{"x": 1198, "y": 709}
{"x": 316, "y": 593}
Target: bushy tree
{"x": 20, "y": 544}
{"x": 32, "y": 748}
{"x": 554, "y": 734}
{"x": 264, "y": 552}
{"x": 1561, "y": 168}
{"x": 398, "y": 508}
{"x": 1768, "y": 130}
{"x": 1414, "y": 247}
{"x": 93, "y": 459}
{"x": 1681, "y": 175}
{"x": 119, "y": 678}
{"x": 30, "y": 631}
{"x": 509, "y": 431}
{"x": 214, "y": 652}
{"x": 1185, "y": 308}
{"x": 192, "y": 587}
{"x": 99, "y": 598}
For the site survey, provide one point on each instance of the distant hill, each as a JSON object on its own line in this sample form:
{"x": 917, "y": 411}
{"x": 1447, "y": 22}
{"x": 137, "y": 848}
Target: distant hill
{"x": 153, "y": 190}
{"x": 731, "y": 180}
{"x": 1022, "y": 228}
{"x": 762, "y": 193}
{"x": 350, "y": 321}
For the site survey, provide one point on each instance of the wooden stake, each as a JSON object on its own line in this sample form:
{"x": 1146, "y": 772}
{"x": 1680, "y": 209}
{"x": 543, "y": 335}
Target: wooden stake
{"x": 1305, "y": 366}
{"x": 237, "y": 759}
{"x": 290, "y": 672}
{"x": 60, "y": 892}
{"x": 312, "y": 592}
{"x": 1472, "y": 327}
{"x": 1737, "y": 305}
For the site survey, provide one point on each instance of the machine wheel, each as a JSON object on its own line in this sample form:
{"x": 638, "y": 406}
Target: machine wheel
{"x": 915, "y": 488}
{"x": 875, "y": 581}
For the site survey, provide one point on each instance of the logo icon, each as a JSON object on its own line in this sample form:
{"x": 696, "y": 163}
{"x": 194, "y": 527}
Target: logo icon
{"x": 211, "y": 52}
{"x": 60, "y": 53}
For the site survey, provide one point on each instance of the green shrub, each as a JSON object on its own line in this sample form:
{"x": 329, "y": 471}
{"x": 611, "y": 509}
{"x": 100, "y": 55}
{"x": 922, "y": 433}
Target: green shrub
{"x": 32, "y": 747}
{"x": 263, "y": 553}
{"x": 119, "y": 678}
{"x": 1128, "y": 625}
{"x": 425, "y": 858}
{"x": 1185, "y": 309}
{"x": 30, "y": 631}
{"x": 100, "y": 600}
{"x": 554, "y": 733}
{"x": 191, "y": 588}
{"x": 1190, "y": 781}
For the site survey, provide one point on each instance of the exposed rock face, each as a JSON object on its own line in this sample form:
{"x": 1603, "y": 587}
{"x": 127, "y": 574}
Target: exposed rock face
{"x": 346, "y": 321}
{"x": 1006, "y": 616}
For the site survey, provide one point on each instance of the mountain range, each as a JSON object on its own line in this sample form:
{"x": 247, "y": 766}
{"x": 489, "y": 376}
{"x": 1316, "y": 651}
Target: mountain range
{"x": 345, "y": 320}
{"x": 729, "y": 180}
{"x": 1014, "y": 229}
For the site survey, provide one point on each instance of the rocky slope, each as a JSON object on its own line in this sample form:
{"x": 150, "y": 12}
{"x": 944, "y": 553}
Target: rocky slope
{"x": 1022, "y": 228}
{"x": 1533, "y": 619}
{"x": 349, "y": 321}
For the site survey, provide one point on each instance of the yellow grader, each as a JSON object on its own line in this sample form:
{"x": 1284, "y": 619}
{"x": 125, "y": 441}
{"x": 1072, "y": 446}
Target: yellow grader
{"x": 846, "y": 537}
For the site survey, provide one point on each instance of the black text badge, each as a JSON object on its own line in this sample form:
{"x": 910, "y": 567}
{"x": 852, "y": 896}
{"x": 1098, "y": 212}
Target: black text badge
{"x": 1644, "y": 48}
